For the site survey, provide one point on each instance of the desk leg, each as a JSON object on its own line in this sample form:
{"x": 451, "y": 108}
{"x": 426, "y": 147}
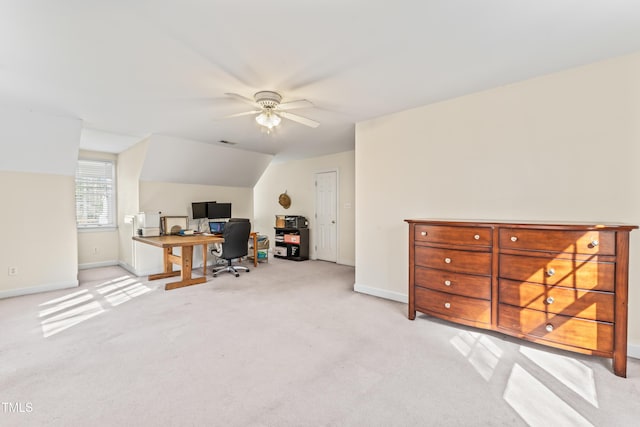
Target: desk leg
{"x": 205, "y": 248}
{"x": 167, "y": 255}
{"x": 166, "y": 260}
{"x": 255, "y": 249}
{"x": 186, "y": 264}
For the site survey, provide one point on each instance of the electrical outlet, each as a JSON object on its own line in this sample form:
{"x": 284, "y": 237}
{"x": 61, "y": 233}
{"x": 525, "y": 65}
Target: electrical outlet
{"x": 13, "y": 271}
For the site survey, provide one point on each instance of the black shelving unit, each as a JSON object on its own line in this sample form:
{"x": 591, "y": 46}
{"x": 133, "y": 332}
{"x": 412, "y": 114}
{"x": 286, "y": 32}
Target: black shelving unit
{"x": 292, "y": 243}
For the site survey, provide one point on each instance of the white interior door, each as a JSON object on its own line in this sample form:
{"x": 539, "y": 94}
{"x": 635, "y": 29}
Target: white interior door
{"x": 326, "y": 216}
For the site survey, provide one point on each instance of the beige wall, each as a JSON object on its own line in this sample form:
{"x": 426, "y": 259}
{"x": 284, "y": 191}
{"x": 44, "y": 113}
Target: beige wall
{"x": 39, "y": 235}
{"x": 172, "y": 198}
{"x": 130, "y": 164}
{"x": 97, "y": 248}
{"x": 297, "y": 179}
{"x": 559, "y": 147}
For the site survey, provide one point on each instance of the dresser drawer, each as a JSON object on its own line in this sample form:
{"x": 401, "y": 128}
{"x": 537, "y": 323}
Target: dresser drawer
{"x": 580, "y": 242}
{"x": 588, "y": 334}
{"x": 454, "y": 260}
{"x": 561, "y": 272}
{"x": 454, "y": 283}
{"x": 591, "y": 305}
{"x": 475, "y": 310}
{"x": 450, "y": 235}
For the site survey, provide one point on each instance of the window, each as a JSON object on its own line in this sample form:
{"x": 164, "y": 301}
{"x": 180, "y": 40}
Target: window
{"x": 95, "y": 194}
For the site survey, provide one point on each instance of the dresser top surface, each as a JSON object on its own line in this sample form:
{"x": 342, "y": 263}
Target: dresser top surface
{"x": 551, "y": 225}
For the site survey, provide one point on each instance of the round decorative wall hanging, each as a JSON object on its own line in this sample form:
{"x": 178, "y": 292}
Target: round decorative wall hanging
{"x": 284, "y": 200}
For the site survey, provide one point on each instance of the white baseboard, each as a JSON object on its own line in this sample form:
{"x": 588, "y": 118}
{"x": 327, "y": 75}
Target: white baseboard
{"x": 633, "y": 350}
{"x": 381, "y": 293}
{"x": 97, "y": 264}
{"x": 133, "y": 270}
{"x": 346, "y": 261}
{"x": 37, "y": 289}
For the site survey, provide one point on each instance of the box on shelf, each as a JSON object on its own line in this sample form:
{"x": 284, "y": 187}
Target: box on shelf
{"x": 292, "y": 238}
{"x": 263, "y": 242}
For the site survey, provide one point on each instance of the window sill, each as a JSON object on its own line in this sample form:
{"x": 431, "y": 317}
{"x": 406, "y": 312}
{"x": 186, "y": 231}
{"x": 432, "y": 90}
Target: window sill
{"x": 96, "y": 229}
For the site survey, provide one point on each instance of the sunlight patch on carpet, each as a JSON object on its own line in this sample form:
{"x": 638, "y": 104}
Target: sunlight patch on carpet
{"x": 70, "y": 317}
{"x": 482, "y": 353}
{"x": 62, "y": 313}
{"x": 575, "y": 375}
{"x": 537, "y": 404}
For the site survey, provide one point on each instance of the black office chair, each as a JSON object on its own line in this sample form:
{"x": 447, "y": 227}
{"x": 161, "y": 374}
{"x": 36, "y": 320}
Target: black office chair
{"x": 236, "y": 237}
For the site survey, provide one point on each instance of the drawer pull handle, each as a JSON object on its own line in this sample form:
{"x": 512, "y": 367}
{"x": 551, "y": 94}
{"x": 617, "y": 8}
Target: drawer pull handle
{"x": 424, "y": 233}
{"x": 514, "y": 239}
{"x": 447, "y": 260}
{"x": 447, "y": 282}
{"x": 477, "y": 237}
{"x": 551, "y": 272}
{"x": 550, "y": 300}
{"x": 447, "y": 305}
{"x": 549, "y": 327}
{"x": 595, "y": 243}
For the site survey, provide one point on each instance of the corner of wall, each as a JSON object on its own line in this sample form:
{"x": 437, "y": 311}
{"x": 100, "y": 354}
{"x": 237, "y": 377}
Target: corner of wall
{"x": 381, "y": 293}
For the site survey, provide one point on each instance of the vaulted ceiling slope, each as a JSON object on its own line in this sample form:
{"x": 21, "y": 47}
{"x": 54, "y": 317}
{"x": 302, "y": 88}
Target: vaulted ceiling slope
{"x": 38, "y": 143}
{"x": 162, "y": 67}
{"x": 170, "y": 159}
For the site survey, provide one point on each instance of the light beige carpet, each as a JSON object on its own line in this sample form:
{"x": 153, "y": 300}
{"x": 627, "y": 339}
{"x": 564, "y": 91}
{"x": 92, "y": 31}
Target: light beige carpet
{"x": 288, "y": 344}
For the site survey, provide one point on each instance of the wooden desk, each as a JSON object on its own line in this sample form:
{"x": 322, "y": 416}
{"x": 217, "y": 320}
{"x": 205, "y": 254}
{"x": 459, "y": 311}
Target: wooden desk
{"x": 185, "y": 260}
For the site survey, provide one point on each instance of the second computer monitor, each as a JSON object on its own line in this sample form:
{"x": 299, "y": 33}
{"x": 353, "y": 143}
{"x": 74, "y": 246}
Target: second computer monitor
{"x": 218, "y": 210}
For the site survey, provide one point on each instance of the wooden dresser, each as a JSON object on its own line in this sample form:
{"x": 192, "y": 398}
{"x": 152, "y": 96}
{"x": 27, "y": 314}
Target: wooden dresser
{"x": 561, "y": 285}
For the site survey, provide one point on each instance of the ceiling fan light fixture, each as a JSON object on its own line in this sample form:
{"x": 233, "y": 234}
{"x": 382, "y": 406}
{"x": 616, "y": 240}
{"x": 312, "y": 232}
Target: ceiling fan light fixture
{"x": 268, "y": 119}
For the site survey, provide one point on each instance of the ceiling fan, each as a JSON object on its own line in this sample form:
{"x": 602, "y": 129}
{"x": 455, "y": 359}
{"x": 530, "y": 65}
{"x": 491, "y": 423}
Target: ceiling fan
{"x": 270, "y": 110}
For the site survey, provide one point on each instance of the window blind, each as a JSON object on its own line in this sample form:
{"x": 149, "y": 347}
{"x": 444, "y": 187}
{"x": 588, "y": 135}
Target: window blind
{"x": 95, "y": 194}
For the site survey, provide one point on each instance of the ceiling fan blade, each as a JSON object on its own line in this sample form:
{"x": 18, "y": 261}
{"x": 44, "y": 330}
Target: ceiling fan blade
{"x": 243, "y": 99}
{"x": 299, "y": 119}
{"x": 301, "y": 103}
{"x": 245, "y": 113}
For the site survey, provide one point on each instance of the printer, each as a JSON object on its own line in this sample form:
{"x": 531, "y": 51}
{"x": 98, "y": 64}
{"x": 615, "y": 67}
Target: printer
{"x": 148, "y": 224}
{"x": 295, "y": 221}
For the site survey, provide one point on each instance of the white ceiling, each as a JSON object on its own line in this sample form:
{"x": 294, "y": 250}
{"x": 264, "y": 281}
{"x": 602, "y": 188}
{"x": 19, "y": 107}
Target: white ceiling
{"x": 139, "y": 67}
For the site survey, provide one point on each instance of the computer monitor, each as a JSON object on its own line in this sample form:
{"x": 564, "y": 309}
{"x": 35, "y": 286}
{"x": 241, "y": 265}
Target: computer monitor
{"x": 216, "y": 227}
{"x": 199, "y": 209}
{"x": 218, "y": 210}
